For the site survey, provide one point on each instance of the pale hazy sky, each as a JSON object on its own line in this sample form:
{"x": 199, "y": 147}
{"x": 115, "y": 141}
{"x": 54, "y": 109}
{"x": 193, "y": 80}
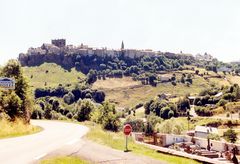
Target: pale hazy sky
{"x": 191, "y": 26}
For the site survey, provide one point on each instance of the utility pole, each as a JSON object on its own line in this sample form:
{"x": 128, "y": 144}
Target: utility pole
{"x": 188, "y": 118}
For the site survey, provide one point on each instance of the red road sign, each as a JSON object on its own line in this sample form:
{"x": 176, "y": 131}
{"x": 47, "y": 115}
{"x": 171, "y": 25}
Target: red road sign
{"x": 127, "y": 129}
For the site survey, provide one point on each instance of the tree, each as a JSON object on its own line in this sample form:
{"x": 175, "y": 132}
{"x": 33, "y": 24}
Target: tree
{"x": 11, "y": 104}
{"x": 99, "y": 96}
{"x": 14, "y": 70}
{"x": 230, "y": 135}
{"x": 164, "y": 112}
{"x": 197, "y": 72}
{"x": 91, "y": 76}
{"x": 69, "y": 98}
{"x": 136, "y": 123}
{"x": 182, "y": 79}
{"x": 84, "y": 109}
{"x": 106, "y": 115}
{"x": 170, "y": 127}
{"x": 183, "y": 104}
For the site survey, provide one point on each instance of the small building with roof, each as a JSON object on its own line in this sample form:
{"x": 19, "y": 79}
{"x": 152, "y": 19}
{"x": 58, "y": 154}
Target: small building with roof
{"x": 204, "y": 131}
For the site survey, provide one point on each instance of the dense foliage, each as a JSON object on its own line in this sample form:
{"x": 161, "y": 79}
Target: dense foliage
{"x": 71, "y": 95}
{"x": 167, "y": 109}
{"x": 213, "y": 97}
{"x": 230, "y": 135}
{"x": 106, "y": 115}
{"x": 15, "y": 103}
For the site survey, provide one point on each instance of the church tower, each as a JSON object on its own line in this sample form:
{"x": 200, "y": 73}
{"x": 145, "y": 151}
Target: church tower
{"x": 122, "y": 46}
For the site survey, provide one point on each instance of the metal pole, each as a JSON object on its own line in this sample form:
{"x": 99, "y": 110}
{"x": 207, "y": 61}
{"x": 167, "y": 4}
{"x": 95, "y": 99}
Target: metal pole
{"x": 126, "y": 148}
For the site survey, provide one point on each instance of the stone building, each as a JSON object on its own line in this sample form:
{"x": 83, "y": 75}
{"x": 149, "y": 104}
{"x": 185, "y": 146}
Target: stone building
{"x": 59, "y": 42}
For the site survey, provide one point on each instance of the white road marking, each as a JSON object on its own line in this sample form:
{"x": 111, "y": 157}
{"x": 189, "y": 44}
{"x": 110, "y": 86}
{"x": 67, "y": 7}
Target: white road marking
{"x": 72, "y": 142}
{"x": 40, "y": 156}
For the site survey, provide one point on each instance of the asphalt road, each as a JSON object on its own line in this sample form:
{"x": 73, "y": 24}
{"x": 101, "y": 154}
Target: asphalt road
{"x": 30, "y": 148}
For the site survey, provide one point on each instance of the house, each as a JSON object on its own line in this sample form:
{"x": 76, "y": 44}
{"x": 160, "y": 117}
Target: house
{"x": 218, "y": 95}
{"x": 191, "y": 99}
{"x": 165, "y": 79}
{"x": 168, "y": 139}
{"x": 203, "y": 131}
{"x": 224, "y": 69}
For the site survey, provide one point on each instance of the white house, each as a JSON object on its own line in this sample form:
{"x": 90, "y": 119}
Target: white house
{"x": 204, "y": 131}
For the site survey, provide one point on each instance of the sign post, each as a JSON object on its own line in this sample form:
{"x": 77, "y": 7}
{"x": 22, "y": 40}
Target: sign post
{"x": 127, "y": 129}
{"x": 7, "y": 83}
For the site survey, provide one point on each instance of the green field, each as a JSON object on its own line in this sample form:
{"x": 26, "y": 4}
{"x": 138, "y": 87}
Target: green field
{"x": 64, "y": 160}
{"x": 17, "y": 128}
{"x": 51, "y": 75}
{"x": 116, "y": 141}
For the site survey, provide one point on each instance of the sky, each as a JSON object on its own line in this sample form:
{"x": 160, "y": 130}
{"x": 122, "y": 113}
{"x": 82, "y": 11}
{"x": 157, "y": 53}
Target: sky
{"x": 190, "y": 26}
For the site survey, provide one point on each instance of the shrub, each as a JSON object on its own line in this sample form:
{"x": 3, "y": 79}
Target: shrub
{"x": 138, "y": 105}
{"x": 106, "y": 115}
{"x": 99, "y": 96}
{"x": 69, "y": 98}
{"x": 203, "y": 111}
{"x": 222, "y": 102}
{"x": 84, "y": 109}
{"x": 214, "y": 137}
{"x": 37, "y": 112}
{"x": 230, "y": 135}
{"x": 136, "y": 123}
{"x": 154, "y": 120}
{"x": 69, "y": 115}
{"x": 170, "y": 127}
{"x": 174, "y": 83}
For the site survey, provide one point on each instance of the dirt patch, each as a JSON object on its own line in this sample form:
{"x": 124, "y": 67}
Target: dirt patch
{"x": 112, "y": 83}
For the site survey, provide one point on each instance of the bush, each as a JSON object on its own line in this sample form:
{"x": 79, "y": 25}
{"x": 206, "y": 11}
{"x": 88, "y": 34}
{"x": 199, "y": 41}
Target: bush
{"x": 174, "y": 83}
{"x": 214, "y": 137}
{"x": 230, "y": 135}
{"x": 203, "y": 111}
{"x": 138, "y": 105}
{"x": 106, "y": 115}
{"x": 154, "y": 120}
{"x": 69, "y": 98}
{"x": 136, "y": 123}
{"x": 222, "y": 102}
{"x": 37, "y": 112}
{"x": 99, "y": 96}
{"x": 11, "y": 104}
{"x": 69, "y": 115}
{"x": 84, "y": 109}
{"x": 170, "y": 127}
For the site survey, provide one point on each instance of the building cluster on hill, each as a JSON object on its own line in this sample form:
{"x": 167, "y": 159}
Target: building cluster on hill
{"x": 206, "y": 57}
{"x": 59, "y": 47}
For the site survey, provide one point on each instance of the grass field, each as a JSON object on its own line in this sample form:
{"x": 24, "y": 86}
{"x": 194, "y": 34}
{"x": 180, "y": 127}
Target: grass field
{"x": 112, "y": 83}
{"x": 15, "y": 129}
{"x": 131, "y": 93}
{"x": 234, "y": 79}
{"x": 64, "y": 160}
{"x": 51, "y": 75}
{"x": 116, "y": 141}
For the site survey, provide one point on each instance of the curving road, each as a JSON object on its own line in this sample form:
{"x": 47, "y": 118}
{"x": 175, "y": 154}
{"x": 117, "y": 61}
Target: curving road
{"x": 30, "y": 148}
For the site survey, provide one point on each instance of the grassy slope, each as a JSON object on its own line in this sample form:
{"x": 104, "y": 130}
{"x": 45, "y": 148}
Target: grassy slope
{"x": 64, "y": 160}
{"x": 16, "y": 129}
{"x": 56, "y": 75}
{"x": 126, "y": 96}
{"x": 117, "y": 140}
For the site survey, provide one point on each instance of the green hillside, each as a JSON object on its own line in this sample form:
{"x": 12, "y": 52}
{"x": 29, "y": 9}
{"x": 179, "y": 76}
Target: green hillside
{"x": 51, "y": 75}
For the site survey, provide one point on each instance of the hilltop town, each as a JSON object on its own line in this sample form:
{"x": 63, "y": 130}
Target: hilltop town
{"x": 61, "y": 53}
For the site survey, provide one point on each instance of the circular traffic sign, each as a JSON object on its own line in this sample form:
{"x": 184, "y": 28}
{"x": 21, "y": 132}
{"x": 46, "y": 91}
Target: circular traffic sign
{"x": 127, "y": 129}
